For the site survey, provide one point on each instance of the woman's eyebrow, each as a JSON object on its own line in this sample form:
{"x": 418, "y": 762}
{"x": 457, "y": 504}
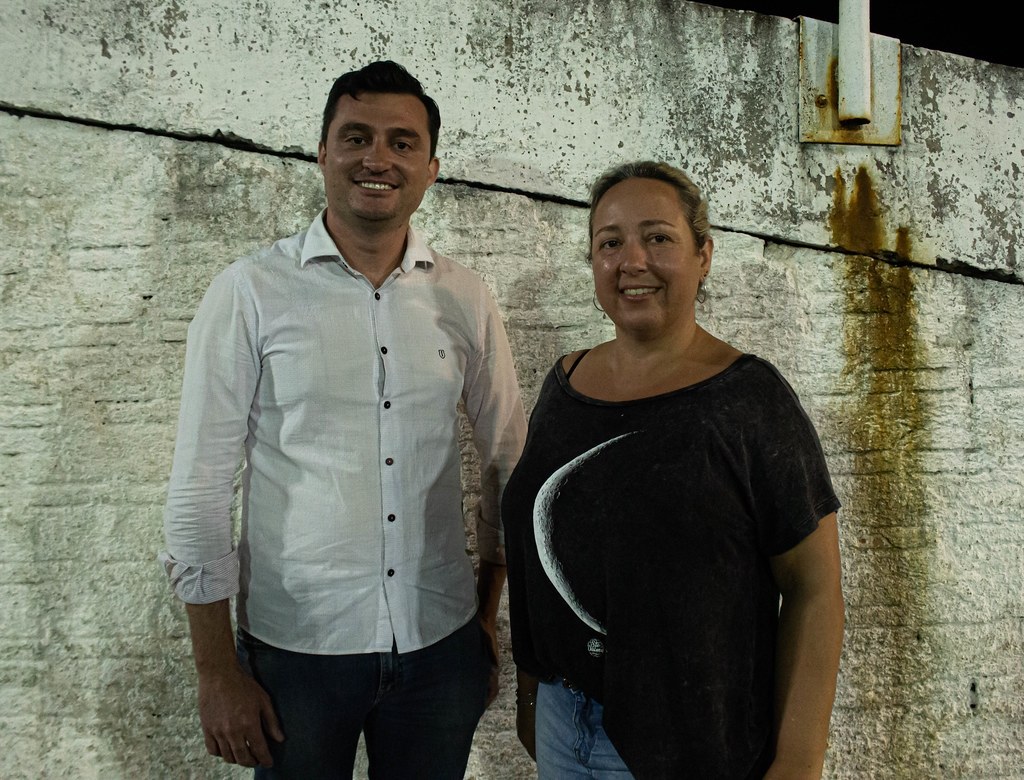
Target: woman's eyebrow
{"x": 644, "y": 224}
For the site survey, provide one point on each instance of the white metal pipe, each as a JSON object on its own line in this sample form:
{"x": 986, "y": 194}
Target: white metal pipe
{"x": 854, "y": 75}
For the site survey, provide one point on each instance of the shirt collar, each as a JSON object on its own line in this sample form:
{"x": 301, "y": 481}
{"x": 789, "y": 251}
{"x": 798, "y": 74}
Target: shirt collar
{"x": 319, "y": 245}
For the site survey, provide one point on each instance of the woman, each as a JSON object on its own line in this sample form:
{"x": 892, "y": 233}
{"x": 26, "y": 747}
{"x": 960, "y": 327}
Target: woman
{"x": 671, "y": 488}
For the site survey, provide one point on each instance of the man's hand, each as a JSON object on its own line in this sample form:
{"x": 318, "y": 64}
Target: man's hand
{"x": 236, "y": 715}
{"x": 494, "y": 683}
{"x": 489, "y": 582}
{"x": 235, "y": 711}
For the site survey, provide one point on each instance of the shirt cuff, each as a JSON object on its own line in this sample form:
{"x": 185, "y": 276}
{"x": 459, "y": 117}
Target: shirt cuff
{"x": 204, "y": 583}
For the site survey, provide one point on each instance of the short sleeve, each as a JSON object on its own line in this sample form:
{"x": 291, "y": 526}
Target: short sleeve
{"x": 790, "y": 481}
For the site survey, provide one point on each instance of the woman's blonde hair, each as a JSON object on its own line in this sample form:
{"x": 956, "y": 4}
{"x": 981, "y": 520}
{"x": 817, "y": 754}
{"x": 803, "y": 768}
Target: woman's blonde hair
{"x": 695, "y": 207}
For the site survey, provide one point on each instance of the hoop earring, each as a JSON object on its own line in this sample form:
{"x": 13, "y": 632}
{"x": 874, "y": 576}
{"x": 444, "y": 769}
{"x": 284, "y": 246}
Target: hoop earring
{"x": 702, "y": 290}
{"x": 596, "y": 304}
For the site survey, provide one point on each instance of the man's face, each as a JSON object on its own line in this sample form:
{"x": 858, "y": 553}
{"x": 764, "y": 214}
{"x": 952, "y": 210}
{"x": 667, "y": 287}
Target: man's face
{"x": 376, "y": 161}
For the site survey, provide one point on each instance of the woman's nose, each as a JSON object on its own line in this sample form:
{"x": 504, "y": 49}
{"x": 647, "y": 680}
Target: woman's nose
{"x": 634, "y": 256}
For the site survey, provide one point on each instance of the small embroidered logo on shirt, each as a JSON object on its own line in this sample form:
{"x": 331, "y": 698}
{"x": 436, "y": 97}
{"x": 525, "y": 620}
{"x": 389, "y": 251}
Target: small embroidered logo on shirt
{"x": 441, "y": 353}
{"x": 595, "y": 647}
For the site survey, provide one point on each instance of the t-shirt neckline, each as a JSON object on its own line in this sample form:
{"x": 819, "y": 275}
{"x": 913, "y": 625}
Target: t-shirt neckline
{"x": 563, "y": 382}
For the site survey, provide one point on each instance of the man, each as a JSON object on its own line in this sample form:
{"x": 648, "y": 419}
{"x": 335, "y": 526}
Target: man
{"x": 338, "y": 357}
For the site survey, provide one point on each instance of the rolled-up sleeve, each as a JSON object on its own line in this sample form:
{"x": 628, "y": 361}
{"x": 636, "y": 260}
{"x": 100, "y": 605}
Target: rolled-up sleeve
{"x": 221, "y": 374}
{"x": 495, "y": 412}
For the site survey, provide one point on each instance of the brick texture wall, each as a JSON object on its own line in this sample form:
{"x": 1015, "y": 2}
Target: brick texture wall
{"x": 119, "y": 202}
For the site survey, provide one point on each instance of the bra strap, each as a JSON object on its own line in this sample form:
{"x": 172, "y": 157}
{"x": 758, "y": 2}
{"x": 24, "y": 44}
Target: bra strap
{"x": 575, "y": 363}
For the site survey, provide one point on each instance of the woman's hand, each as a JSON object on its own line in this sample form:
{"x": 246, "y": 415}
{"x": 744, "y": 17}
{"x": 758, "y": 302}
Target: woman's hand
{"x": 807, "y": 652}
{"x": 526, "y": 711}
{"x": 782, "y": 771}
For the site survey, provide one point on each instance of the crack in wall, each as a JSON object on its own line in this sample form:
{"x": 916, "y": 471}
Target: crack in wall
{"x": 240, "y": 143}
{"x": 230, "y": 140}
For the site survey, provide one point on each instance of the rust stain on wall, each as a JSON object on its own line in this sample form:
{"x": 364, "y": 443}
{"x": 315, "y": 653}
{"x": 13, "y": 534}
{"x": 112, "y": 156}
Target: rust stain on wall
{"x": 887, "y": 420}
{"x": 904, "y": 246}
{"x": 856, "y": 218}
{"x": 856, "y": 221}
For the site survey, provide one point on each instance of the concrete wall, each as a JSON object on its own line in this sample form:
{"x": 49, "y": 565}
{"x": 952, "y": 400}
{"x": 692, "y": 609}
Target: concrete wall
{"x": 145, "y": 145}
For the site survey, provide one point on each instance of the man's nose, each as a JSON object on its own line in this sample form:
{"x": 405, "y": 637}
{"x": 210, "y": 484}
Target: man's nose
{"x": 376, "y": 156}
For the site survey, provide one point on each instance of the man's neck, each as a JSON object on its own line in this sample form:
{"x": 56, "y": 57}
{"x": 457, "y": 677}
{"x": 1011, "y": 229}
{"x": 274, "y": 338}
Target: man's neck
{"x": 373, "y": 251}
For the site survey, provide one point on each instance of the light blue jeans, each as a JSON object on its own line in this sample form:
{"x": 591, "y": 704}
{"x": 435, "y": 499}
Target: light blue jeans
{"x": 570, "y": 738}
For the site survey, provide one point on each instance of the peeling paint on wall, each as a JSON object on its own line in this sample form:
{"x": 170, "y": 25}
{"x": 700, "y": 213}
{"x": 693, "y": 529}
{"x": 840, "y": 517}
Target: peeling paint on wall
{"x": 143, "y": 146}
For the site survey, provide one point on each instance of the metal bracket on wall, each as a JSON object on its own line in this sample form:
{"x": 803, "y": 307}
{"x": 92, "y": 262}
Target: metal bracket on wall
{"x": 819, "y": 89}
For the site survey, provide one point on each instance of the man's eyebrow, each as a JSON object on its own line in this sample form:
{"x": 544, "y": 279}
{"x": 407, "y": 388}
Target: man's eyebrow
{"x": 360, "y": 127}
{"x": 350, "y": 126}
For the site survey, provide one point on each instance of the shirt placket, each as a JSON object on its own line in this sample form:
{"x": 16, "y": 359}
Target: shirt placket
{"x": 392, "y": 521}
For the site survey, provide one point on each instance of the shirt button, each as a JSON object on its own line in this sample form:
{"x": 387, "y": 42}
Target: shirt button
{"x": 383, "y": 350}
{"x": 389, "y": 461}
{"x": 377, "y": 296}
{"x": 391, "y": 518}
{"x": 387, "y": 404}
{"x": 391, "y": 572}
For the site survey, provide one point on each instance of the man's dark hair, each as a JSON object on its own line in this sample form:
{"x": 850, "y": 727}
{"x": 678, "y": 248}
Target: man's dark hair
{"x": 388, "y": 77}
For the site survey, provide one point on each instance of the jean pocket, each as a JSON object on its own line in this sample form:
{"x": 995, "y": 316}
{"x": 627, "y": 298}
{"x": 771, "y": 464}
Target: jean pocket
{"x": 247, "y": 648}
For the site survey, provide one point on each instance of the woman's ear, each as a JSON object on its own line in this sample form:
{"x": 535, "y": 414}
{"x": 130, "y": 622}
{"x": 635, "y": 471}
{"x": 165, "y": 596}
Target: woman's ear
{"x": 705, "y": 255}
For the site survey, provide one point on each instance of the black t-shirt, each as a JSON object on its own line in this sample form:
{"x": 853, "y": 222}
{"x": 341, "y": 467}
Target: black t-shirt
{"x": 637, "y": 539}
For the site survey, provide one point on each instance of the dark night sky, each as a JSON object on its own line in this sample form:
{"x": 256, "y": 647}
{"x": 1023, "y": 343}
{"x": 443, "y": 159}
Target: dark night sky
{"x": 982, "y": 30}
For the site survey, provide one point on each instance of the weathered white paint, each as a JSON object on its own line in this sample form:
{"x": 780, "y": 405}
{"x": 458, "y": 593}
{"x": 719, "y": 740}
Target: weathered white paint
{"x": 541, "y": 95}
{"x": 913, "y": 376}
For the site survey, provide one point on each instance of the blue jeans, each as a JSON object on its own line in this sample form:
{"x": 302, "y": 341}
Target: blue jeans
{"x": 417, "y": 710}
{"x": 570, "y": 738}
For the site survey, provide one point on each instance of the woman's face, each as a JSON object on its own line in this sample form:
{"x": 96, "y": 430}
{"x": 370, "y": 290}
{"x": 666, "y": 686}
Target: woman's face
{"x": 646, "y": 263}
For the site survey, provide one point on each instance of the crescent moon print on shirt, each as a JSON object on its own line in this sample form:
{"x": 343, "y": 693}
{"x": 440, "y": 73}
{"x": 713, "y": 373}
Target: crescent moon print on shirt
{"x": 568, "y": 520}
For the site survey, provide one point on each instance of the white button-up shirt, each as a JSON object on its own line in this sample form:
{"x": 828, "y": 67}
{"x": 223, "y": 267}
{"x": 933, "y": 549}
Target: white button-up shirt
{"x": 345, "y": 399}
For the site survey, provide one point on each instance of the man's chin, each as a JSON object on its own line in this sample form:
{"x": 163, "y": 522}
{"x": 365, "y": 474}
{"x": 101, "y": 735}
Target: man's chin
{"x": 374, "y": 215}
